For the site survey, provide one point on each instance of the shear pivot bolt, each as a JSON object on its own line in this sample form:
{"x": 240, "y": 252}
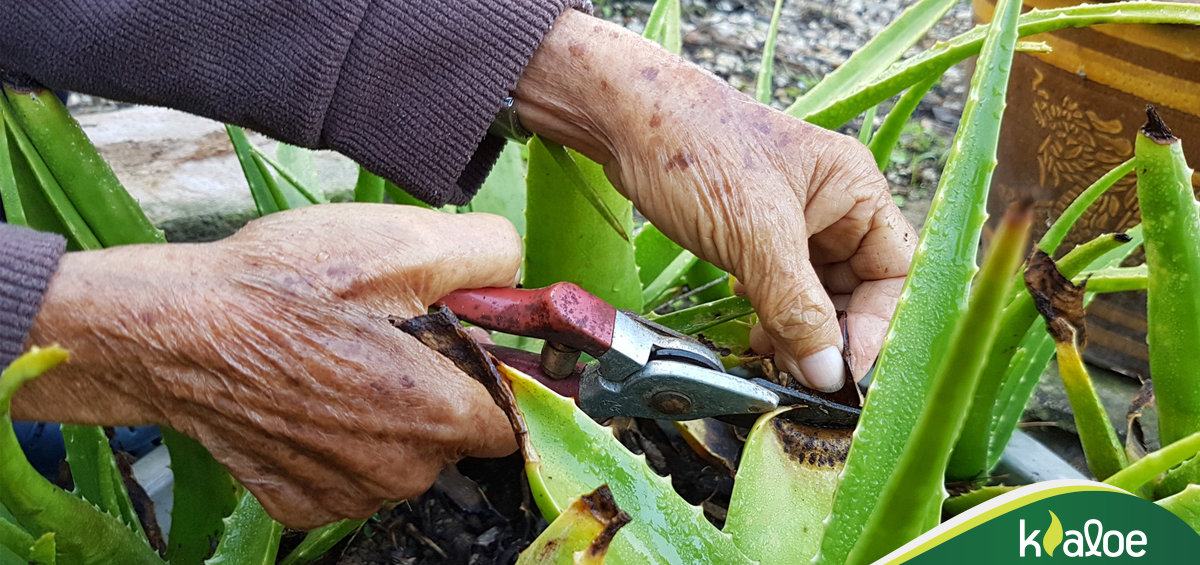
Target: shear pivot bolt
{"x": 672, "y": 403}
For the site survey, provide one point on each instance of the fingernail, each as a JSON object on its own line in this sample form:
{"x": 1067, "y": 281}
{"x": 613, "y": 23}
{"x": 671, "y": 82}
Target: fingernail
{"x": 824, "y": 370}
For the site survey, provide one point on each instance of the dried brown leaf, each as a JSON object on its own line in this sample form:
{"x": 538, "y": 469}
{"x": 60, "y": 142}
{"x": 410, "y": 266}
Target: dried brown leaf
{"x": 1058, "y": 300}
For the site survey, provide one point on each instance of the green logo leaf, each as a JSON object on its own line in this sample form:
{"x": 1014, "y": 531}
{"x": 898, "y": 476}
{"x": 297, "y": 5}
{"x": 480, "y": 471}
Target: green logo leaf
{"x": 1054, "y": 535}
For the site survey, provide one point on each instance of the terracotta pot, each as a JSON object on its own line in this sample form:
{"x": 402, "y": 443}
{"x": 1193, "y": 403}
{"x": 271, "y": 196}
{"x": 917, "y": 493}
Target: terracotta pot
{"x": 1072, "y": 115}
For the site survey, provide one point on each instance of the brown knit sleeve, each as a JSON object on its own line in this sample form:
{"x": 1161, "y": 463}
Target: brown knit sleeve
{"x": 405, "y": 87}
{"x": 27, "y": 261}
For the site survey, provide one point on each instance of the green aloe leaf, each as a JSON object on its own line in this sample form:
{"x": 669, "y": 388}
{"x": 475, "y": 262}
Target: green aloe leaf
{"x": 868, "y": 125}
{"x": 10, "y": 195}
{"x": 399, "y": 196}
{"x": 1171, "y": 222}
{"x": 668, "y": 282}
{"x": 1062, "y": 226}
{"x": 653, "y": 251}
{"x": 911, "y": 501}
{"x": 885, "y": 139}
{"x": 575, "y": 455}
{"x": 871, "y": 59}
{"x": 45, "y": 204}
{"x": 264, "y": 199}
{"x": 15, "y": 539}
{"x": 1186, "y": 505}
{"x": 699, "y": 318}
{"x": 320, "y": 540}
{"x": 931, "y": 303}
{"x": 1117, "y": 279}
{"x": 579, "y": 536}
{"x": 296, "y": 186}
{"x": 204, "y": 494}
{"x": 840, "y": 109}
{"x": 590, "y": 190}
{"x": 1019, "y": 331}
{"x": 503, "y": 191}
{"x": 297, "y": 163}
{"x": 44, "y": 551}
{"x": 84, "y": 177}
{"x": 369, "y": 187}
{"x": 956, "y": 505}
{"x": 1155, "y": 463}
{"x": 765, "y": 85}
{"x": 96, "y": 475}
{"x": 663, "y": 25}
{"x": 566, "y": 240}
{"x": 1030, "y": 357}
{"x": 1104, "y": 451}
{"x": 251, "y": 536}
{"x": 784, "y": 489}
{"x": 83, "y": 534}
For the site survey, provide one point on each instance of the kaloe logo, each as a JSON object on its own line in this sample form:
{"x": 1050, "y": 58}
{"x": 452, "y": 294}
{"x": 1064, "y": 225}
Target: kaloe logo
{"x": 1067, "y": 521}
{"x": 1110, "y": 543}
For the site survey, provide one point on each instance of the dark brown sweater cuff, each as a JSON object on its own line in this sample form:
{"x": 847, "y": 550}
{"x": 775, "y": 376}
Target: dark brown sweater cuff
{"x": 27, "y": 261}
{"x": 421, "y": 83}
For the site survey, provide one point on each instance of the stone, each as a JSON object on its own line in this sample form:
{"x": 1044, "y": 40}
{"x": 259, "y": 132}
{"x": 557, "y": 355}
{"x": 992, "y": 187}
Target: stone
{"x": 183, "y": 171}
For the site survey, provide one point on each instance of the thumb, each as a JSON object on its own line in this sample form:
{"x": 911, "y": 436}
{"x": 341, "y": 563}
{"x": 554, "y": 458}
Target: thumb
{"x": 467, "y": 251}
{"x": 800, "y": 322}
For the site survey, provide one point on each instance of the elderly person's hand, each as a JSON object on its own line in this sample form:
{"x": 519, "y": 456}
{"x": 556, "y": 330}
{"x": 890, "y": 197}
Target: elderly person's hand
{"x": 273, "y": 349}
{"x": 800, "y": 215}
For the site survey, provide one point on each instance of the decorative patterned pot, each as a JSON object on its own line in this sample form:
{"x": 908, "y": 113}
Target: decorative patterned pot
{"x": 1072, "y": 115}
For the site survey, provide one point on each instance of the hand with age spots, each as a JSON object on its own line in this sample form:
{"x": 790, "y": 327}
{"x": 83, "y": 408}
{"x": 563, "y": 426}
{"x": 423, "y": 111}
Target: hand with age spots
{"x": 272, "y": 348}
{"x": 800, "y": 215}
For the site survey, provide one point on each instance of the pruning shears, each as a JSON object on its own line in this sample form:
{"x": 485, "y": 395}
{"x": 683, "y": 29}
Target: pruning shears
{"x": 642, "y": 369}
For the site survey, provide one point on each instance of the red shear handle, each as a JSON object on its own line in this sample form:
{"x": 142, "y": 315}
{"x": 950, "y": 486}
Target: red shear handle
{"x": 562, "y": 313}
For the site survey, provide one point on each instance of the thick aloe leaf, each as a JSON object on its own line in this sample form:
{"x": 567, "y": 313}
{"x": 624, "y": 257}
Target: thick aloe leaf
{"x": 932, "y": 300}
{"x": 1171, "y": 222}
{"x": 1186, "y": 505}
{"x": 204, "y": 494}
{"x": 96, "y": 475}
{"x": 872, "y": 58}
{"x": 264, "y": 200}
{"x": 784, "y": 489}
{"x": 699, "y": 318}
{"x": 884, "y": 141}
{"x": 663, "y": 25}
{"x": 369, "y": 187}
{"x": 592, "y": 191}
{"x": 503, "y": 192}
{"x": 911, "y": 501}
{"x": 575, "y": 455}
{"x": 86, "y": 179}
{"x": 49, "y": 201}
{"x": 15, "y": 539}
{"x": 1030, "y": 359}
{"x": 251, "y": 536}
{"x": 765, "y": 85}
{"x": 320, "y": 540}
{"x": 1148, "y": 468}
{"x": 1062, "y": 226}
{"x": 567, "y": 240}
{"x": 44, "y": 551}
{"x": 84, "y": 535}
{"x": 944, "y": 55}
{"x": 579, "y": 536}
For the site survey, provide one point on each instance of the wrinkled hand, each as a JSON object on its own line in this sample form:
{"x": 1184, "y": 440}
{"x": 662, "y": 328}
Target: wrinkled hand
{"x": 273, "y": 349}
{"x": 800, "y": 215}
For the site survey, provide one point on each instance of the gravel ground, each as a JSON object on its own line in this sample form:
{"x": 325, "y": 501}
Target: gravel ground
{"x": 726, "y": 37}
